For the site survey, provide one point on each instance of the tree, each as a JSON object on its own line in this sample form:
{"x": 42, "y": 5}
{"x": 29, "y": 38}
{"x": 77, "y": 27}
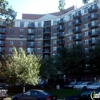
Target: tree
{"x": 22, "y": 68}
{"x": 61, "y": 5}
{"x": 7, "y": 13}
{"x": 47, "y": 68}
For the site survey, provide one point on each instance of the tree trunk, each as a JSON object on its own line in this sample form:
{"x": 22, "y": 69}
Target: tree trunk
{"x": 23, "y": 87}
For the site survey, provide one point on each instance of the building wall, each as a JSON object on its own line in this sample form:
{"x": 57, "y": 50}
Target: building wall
{"x": 47, "y": 43}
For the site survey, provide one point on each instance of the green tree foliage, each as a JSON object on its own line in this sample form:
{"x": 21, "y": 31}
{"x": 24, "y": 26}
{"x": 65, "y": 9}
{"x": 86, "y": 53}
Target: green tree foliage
{"x": 47, "y": 68}
{"x": 22, "y": 68}
{"x": 94, "y": 59}
{"x": 61, "y": 5}
{"x": 7, "y": 13}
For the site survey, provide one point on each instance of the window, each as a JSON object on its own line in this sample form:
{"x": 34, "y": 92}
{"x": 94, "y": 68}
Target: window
{"x": 31, "y": 24}
{"x": 39, "y": 31}
{"x": 39, "y": 24}
{"x": 38, "y": 35}
{"x": 86, "y": 10}
{"x": 70, "y": 17}
{"x": 86, "y": 41}
{"x": 38, "y": 55}
{"x": 54, "y": 41}
{"x": 20, "y": 42}
{"x": 21, "y": 30}
{"x": 30, "y": 50}
{"x": 86, "y": 33}
{"x": 20, "y": 35}
{"x": 10, "y": 42}
{"x": 54, "y": 48}
{"x": 86, "y": 25}
{"x": 12, "y": 32}
{"x": 55, "y": 34}
{"x": 30, "y": 30}
{"x": 21, "y": 24}
{"x": 38, "y": 43}
{"x": 86, "y": 50}
{"x": 54, "y": 22}
{"x": 69, "y": 45}
{"x": 85, "y": 19}
{"x": 69, "y": 27}
{"x": 69, "y": 38}
{"x": 10, "y": 49}
{"x": 38, "y": 49}
{"x": 54, "y": 29}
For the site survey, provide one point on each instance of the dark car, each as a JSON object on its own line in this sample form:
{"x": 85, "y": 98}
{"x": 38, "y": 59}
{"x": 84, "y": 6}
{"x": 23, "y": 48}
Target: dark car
{"x": 34, "y": 94}
{"x": 85, "y": 95}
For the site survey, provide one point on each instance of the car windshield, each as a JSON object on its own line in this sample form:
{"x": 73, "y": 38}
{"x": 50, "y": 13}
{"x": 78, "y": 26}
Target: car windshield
{"x": 96, "y": 83}
{"x": 44, "y": 92}
{"x": 73, "y": 83}
{"x": 84, "y": 83}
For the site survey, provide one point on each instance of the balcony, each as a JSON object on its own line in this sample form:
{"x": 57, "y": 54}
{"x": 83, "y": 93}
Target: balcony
{"x": 31, "y": 25}
{"x": 2, "y": 37}
{"x": 46, "y": 31}
{"x": 30, "y": 45}
{"x": 46, "y": 51}
{"x": 46, "y": 45}
{"x": 93, "y": 8}
{"x": 95, "y": 33}
{"x": 61, "y": 35}
{"x": 93, "y": 17}
{"x": 60, "y": 42}
{"x": 77, "y": 38}
{"x": 46, "y": 38}
{"x": 2, "y": 30}
{"x": 61, "y": 28}
{"x": 77, "y": 15}
{"x": 77, "y": 22}
{"x": 2, "y": 51}
{"x": 93, "y": 42}
{"x": 78, "y": 30}
{"x": 30, "y": 38}
{"x": 2, "y": 44}
{"x": 47, "y": 25}
{"x": 61, "y": 21}
{"x": 93, "y": 25}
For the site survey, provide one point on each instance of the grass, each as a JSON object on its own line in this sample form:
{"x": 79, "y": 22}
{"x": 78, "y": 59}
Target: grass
{"x": 61, "y": 93}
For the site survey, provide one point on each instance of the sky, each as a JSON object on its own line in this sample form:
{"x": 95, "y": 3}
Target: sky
{"x": 39, "y": 6}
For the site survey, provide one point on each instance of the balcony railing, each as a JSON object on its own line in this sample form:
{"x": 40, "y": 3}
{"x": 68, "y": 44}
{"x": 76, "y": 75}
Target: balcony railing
{"x": 46, "y": 44}
{"x": 46, "y": 38}
{"x": 94, "y": 33}
{"x": 93, "y": 9}
{"x": 93, "y": 17}
{"x": 76, "y": 38}
{"x": 77, "y": 15}
{"x": 75, "y": 23}
{"x": 77, "y": 30}
{"x": 61, "y": 35}
{"x": 93, "y": 25}
{"x": 60, "y": 42}
{"x": 46, "y": 51}
{"x": 2, "y": 44}
{"x": 2, "y": 37}
{"x": 61, "y": 21}
{"x": 92, "y": 42}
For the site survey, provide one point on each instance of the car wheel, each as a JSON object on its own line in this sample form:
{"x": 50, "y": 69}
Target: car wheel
{"x": 15, "y": 99}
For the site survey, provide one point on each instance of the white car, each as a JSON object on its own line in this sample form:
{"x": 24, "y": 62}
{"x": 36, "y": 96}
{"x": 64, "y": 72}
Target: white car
{"x": 82, "y": 85}
{"x": 95, "y": 85}
{"x": 70, "y": 85}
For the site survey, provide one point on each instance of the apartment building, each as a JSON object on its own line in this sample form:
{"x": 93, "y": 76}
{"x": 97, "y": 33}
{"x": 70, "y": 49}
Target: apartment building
{"x": 44, "y": 34}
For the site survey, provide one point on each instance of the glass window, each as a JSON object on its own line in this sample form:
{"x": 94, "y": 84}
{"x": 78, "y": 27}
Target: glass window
{"x": 20, "y": 35}
{"x": 55, "y": 34}
{"x": 69, "y": 38}
{"x": 54, "y": 29}
{"x": 70, "y": 16}
{"x": 39, "y": 31}
{"x": 54, "y": 41}
{"x": 86, "y": 33}
{"x": 10, "y": 49}
{"x": 20, "y": 42}
{"x": 38, "y": 55}
{"x": 86, "y": 50}
{"x": 21, "y": 30}
{"x": 30, "y": 30}
{"x": 85, "y": 19}
{"x": 86, "y": 41}
{"x": 69, "y": 45}
{"x": 38, "y": 49}
{"x": 54, "y": 48}
{"x": 21, "y": 24}
{"x": 86, "y": 25}
{"x": 38, "y": 43}
{"x": 86, "y": 10}
{"x": 39, "y": 24}
{"x": 30, "y": 50}
{"x": 54, "y": 22}
{"x": 39, "y": 36}
{"x": 10, "y": 42}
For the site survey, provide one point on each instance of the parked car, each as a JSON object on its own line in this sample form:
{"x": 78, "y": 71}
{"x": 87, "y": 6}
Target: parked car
{"x": 85, "y": 95}
{"x": 95, "y": 85}
{"x": 34, "y": 94}
{"x": 70, "y": 85}
{"x": 82, "y": 85}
